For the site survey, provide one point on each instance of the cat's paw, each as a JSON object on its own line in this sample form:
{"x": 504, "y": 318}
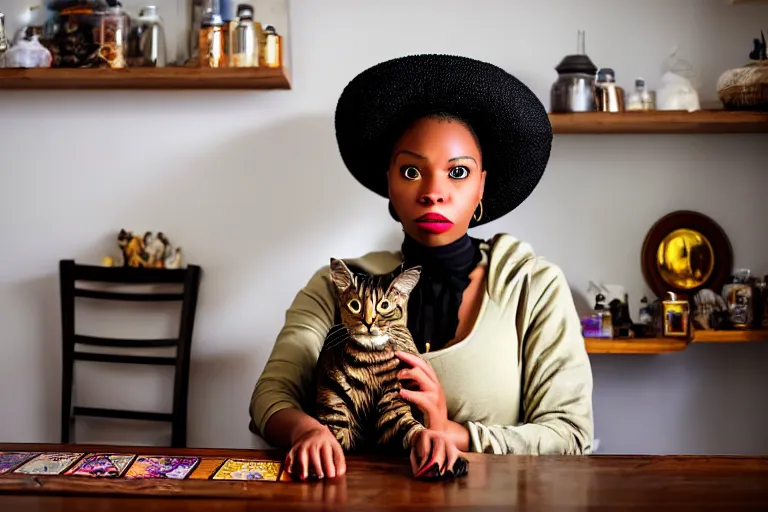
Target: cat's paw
{"x": 344, "y": 437}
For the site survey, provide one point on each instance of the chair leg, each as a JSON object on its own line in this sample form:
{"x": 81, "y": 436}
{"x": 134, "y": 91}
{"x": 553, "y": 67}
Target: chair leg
{"x": 178, "y": 434}
{"x": 66, "y": 402}
{"x": 67, "y": 290}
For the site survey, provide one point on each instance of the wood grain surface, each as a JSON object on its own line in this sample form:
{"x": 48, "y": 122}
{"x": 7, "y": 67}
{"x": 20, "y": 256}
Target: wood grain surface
{"x": 385, "y": 483}
{"x": 146, "y": 78}
{"x": 660, "y": 122}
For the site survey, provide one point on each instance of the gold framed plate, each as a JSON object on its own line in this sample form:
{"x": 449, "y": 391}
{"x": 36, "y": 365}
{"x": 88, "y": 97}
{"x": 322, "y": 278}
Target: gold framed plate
{"x": 684, "y": 252}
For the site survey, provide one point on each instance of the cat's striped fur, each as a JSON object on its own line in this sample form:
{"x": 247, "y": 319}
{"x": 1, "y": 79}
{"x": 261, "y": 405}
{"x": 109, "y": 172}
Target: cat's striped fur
{"x": 357, "y": 387}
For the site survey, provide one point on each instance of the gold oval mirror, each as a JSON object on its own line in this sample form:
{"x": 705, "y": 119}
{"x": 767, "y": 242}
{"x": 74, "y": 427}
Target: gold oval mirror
{"x": 685, "y": 259}
{"x": 686, "y": 251}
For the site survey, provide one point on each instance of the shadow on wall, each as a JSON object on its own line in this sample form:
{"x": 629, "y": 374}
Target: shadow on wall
{"x": 255, "y": 209}
{"x": 37, "y": 303}
{"x": 699, "y": 401}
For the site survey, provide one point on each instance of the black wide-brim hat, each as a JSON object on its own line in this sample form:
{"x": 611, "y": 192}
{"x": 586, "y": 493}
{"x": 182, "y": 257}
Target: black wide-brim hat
{"x": 511, "y": 123}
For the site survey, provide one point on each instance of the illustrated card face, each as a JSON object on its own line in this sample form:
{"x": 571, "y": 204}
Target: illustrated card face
{"x": 10, "y": 460}
{"x": 53, "y": 463}
{"x": 101, "y": 465}
{"x": 177, "y": 468}
{"x": 243, "y": 469}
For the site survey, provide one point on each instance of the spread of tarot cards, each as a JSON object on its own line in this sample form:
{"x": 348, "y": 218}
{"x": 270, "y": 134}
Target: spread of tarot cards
{"x": 116, "y": 467}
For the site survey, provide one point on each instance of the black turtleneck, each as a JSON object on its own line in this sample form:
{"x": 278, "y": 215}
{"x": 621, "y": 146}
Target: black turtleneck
{"x": 433, "y": 307}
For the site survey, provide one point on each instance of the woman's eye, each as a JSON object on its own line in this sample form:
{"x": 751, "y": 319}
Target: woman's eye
{"x": 459, "y": 173}
{"x": 410, "y": 172}
{"x": 354, "y": 306}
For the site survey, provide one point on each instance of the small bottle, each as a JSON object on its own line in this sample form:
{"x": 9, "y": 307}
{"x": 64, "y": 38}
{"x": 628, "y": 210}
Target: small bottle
{"x": 244, "y": 51}
{"x": 272, "y": 55}
{"x": 604, "y": 314}
{"x": 641, "y": 98}
{"x": 211, "y": 42}
{"x": 609, "y": 97}
{"x": 229, "y": 17}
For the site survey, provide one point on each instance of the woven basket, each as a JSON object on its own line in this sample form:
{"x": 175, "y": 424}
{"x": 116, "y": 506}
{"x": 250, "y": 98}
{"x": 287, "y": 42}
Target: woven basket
{"x": 745, "y": 88}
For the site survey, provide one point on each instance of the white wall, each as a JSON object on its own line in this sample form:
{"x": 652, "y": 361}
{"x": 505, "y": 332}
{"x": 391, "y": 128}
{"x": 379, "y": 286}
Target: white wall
{"x": 243, "y": 181}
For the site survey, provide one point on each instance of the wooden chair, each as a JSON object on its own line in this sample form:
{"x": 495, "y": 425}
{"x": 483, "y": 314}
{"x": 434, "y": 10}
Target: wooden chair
{"x": 189, "y": 278}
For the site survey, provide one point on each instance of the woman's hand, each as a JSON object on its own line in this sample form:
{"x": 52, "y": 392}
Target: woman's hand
{"x": 430, "y": 446}
{"x": 317, "y": 453}
{"x": 425, "y": 392}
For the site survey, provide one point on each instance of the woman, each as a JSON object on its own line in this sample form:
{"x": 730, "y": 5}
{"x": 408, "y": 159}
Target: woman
{"x": 453, "y": 143}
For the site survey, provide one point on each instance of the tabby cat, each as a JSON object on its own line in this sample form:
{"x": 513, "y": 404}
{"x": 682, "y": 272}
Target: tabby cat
{"x": 357, "y": 387}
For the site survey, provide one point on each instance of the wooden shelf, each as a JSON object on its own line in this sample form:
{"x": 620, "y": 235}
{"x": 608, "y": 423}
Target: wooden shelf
{"x": 745, "y": 336}
{"x": 668, "y": 345}
{"x": 145, "y": 78}
{"x": 667, "y": 122}
{"x": 635, "y": 346}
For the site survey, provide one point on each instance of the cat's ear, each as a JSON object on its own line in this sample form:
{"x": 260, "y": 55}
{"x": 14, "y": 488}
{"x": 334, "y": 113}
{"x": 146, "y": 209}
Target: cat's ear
{"x": 341, "y": 275}
{"x": 406, "y": 281}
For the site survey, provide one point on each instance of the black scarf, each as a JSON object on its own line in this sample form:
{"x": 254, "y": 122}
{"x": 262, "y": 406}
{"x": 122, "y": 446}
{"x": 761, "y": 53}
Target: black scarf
{"x": 433, "y": 307}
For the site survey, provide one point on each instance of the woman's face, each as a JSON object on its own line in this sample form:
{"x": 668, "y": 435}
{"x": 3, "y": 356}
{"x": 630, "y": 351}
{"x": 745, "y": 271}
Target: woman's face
{"x": 436, "y": 180}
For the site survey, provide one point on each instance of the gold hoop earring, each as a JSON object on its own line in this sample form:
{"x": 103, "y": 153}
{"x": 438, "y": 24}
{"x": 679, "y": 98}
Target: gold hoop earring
{"x": 479, "y": 216}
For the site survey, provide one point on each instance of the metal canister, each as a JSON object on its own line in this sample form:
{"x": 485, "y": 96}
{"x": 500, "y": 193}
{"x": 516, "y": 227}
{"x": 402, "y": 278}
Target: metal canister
{"x": 146, "y": 44}
{"x": 273, "y": 48}
{"x": 244, "y": 50}
{"x": 609, "y": 97}
{"x": 211, "y": 41}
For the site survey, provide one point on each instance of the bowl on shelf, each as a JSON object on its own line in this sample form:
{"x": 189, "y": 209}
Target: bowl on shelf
{"x": 745, "y": 88}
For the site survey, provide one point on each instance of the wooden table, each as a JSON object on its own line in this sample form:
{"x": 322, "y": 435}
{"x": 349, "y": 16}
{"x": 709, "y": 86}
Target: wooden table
{"x": 494, "y": 482}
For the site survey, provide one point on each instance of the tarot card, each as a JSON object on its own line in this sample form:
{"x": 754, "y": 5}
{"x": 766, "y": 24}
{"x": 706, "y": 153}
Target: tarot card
{"x": 52, "y": 463}
{"x": 148, "y": 466}
{"x": 11, "y": 460}
{"x": 244, "y": 469}
{"x": 101, "y": 465}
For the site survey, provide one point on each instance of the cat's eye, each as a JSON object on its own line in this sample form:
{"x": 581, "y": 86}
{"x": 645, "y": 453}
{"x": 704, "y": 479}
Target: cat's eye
{"x": 459, "y": 172}
{"x": 354, "y": 306}
{"x": 410, "y": 172}
{"x": 385, "y": 306}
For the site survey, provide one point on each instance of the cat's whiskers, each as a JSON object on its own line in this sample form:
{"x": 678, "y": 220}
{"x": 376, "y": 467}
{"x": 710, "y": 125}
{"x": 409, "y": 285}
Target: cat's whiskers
{"x": 338, "y": 338}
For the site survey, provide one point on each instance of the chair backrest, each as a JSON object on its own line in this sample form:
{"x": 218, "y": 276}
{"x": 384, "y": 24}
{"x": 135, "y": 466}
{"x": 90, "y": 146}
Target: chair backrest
{"x": 70, "y": 273}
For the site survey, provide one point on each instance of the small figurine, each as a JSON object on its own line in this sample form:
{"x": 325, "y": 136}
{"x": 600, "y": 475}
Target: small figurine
{"x": 133, "y": 249}
{"x": 710, "y": 310}
{"x": 174, "y": 261}
{"x": 620, "y": 317}
{"x": 155, "y": 250}
{"x": 759, "y": 52}
{"x": 147, "y": 251}
{"x": 645, "y": 317}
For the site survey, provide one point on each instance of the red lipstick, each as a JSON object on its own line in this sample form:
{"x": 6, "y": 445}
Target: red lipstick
{"x": 434, "y": 223}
